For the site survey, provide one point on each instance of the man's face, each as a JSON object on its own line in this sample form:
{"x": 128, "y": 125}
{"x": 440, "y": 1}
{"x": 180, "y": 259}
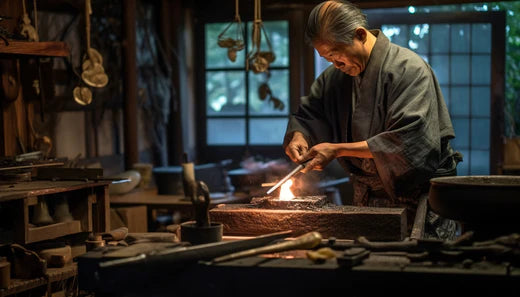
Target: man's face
{"x": 350, "y": 59}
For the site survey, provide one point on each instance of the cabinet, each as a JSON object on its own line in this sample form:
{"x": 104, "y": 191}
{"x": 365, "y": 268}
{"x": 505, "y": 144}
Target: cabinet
{"x": 89, "y": 206}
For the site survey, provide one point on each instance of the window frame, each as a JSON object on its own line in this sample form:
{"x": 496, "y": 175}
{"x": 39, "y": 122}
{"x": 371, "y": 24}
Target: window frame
{"x": 497, "y": 19}
{"x": 300, "y": 58}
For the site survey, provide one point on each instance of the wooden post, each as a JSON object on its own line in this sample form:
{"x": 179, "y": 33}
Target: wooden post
{"x": 130, "y": 83}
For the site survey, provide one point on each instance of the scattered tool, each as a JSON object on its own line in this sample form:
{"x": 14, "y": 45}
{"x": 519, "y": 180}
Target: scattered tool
{"x": 306, "y": 241}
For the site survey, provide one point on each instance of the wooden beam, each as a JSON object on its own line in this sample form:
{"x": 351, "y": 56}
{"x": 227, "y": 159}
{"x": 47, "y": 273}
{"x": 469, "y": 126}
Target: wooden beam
{"x": 130, "y": 83}
{"x": 42, "y": 48}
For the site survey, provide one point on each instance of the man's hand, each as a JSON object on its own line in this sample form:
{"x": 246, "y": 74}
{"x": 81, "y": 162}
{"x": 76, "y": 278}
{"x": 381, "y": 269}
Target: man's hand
{"x": 320, "y": 156}
{"x": 297, "y": 147}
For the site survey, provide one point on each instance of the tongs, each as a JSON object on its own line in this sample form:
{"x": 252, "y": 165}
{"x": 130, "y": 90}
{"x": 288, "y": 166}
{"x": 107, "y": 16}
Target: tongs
{"x": 288, "y": 176}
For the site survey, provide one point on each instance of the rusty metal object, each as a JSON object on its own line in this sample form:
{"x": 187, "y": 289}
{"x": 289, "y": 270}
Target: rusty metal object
{"x": 202, "y": 230}
{"x": 483, "y": 199}
{"x": 184, "y": 254}
{"x": 306, "y": 241}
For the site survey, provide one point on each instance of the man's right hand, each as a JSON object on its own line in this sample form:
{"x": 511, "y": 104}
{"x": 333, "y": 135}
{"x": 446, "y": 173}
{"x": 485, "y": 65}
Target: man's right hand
{"x": 297, "y": 147}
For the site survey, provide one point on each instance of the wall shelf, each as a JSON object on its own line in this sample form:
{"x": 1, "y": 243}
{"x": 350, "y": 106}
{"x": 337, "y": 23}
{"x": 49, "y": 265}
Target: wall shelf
{"x": 42, "y": 48}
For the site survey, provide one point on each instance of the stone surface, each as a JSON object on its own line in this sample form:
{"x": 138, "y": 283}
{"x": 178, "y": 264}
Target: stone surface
{"x": 341, "y": 222}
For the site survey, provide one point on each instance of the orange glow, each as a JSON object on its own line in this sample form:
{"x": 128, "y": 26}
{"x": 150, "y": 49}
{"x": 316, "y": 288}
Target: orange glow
{"x": 285, "y": 191}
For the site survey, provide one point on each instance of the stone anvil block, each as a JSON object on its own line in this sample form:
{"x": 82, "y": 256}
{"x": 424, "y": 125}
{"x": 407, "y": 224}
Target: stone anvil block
{"x": 341, "y": 222}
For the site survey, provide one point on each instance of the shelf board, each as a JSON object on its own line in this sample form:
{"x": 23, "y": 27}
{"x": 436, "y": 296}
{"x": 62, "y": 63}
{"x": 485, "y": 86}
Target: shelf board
{"x": 53, "y": 231}
{"x": 42, "y": 48}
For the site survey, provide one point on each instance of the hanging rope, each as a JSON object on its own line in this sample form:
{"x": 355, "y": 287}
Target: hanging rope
{"x": 233, "y": 44}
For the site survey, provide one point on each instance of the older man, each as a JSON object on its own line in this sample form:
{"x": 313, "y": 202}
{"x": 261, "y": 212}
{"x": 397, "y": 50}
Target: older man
{"x": 378, "y": 109}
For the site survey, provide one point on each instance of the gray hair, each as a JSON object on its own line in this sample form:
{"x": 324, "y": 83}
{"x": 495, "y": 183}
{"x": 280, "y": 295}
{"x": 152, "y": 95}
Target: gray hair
{"x": 334, "y": 21}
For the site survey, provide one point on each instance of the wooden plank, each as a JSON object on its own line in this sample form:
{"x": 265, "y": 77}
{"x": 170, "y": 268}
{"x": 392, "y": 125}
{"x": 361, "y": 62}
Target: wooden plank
{"x": 52, "y": 231}
{"x": 342, "y": 222}
{"x": 22, "y": 190}
{"x": 42, "y": 48}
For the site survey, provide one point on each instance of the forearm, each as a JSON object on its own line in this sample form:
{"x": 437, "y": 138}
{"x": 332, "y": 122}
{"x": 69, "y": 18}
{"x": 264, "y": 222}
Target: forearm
{"x": 353, "y": 149}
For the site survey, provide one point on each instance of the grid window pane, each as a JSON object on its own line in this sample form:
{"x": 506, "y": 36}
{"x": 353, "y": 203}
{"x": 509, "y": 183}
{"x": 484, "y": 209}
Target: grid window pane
{"x": 463, "y": 167}
{"x": 278, "y": 32}
{"x": 398, "y": 34}
{"x": 225, "y": 93}
{"x": 459, "y": 101}
{"x": 480, "y": 105}
{"x": 481, "y": 69}
{"x": 419, "y": 38}
{"x": 460, "y": 37}
{"x": 232, "y": 92}
{"x": 481, "y": 38}
{"x": 216, "y": 56}
{"x": 446, "y": 93}
{"x": 440, "y": 65}
{"x": 440, "y": 40}
{"x": 267, "y": 131}
{"x": 461, "y": 140}
{"x": 480, "y": 134}
{"x": 460, "y": 69}
{"x": 479, "y": 162}
{"x": 272, "y": 104}
{"x": 226, "y": 131}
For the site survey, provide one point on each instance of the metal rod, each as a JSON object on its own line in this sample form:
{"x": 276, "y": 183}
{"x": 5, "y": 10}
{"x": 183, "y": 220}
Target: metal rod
{"x": 288, "y": 176}
{"x": 306, "y": 241}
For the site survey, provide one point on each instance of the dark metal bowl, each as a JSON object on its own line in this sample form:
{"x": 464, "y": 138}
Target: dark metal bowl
{"x": 476, "y": 199}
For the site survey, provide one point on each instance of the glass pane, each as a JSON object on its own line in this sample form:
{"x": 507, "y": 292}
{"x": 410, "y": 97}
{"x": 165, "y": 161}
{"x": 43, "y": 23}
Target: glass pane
{"x": 460, "y": 69}
{"x": 278, "y": 32}
{"x": 461, "y": 140}
{"x": 320, "y": 64}
{"x": 481, "y": 38}
{"x": 226, "y": 131}
{"x": 267, "y": 131}
{"x": 460, "y": 38}
{"x": 440, "y": 38}
{"x": 419, "y": 38}
{"x": 479, "y": 162}
{"x": 440, "y": 65}
{"x": 481, "y": 69}
{"x": 480, "y": 134}
{"x": 225, "y": 92}
{"x": 446, "y": 94}
{"x": 216, "y": 56}
{"x": 277, "y": 102}
{"x": 463, "y": 167}
{"x": 398, "y": 34}
{"x": 459, "y": 101}
{"x": 480, "y": 101}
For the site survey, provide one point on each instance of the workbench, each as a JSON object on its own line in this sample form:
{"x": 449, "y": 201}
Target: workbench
{"x": 170, "y": 203}
{"x": 291, "y": 274}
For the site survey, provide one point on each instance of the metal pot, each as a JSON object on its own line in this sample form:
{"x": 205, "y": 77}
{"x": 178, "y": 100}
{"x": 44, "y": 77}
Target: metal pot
{"x": 476, "y": 199}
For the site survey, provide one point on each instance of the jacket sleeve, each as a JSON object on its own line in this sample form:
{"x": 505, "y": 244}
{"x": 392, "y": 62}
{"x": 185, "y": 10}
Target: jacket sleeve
{"x": 311, "y": 115}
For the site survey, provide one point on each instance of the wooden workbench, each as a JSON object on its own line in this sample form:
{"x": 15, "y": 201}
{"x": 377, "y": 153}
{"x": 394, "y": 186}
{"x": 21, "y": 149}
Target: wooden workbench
{"x": 172, "y": 203}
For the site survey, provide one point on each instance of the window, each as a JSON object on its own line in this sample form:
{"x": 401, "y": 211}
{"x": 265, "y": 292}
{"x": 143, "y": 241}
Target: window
{"x": 235, "y": 113}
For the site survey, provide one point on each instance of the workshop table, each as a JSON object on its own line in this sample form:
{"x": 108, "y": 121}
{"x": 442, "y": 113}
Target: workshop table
{"x": 171, "y": 203}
